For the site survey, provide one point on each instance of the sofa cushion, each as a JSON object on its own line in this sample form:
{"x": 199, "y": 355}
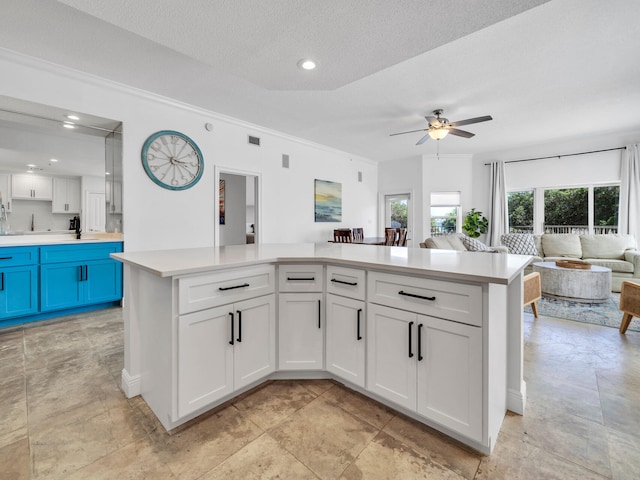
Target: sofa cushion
{"x": 519, "y": 243}
{"x": 561, "y": 245}
{"x": 445, "y": 242}
{"x": 619, "y": 266}
{"x": 606, "y": 246}
{"x": 474, "y": 245}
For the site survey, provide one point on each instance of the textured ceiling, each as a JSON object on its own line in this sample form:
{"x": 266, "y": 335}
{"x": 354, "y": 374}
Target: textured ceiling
{"x": 557, "y": 71}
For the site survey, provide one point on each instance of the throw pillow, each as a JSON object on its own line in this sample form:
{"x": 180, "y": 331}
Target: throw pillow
{"x": 474, "y": 245}
{"x": 520, "y": 244}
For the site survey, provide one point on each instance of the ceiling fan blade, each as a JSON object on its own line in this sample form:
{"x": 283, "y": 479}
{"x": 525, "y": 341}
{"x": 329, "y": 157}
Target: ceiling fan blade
{"x": 461, "y": 133}
{"x": 412, "y": 131}
{"x": 469, "y": 121}
{"x": 423, "y": 139}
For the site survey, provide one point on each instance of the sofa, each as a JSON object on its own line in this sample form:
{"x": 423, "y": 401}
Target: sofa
{"x": 617, "y": 252}
{"x": 461, "y": 242}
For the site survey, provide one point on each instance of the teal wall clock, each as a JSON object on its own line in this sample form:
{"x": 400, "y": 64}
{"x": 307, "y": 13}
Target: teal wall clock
{"x": 172, "y": 160}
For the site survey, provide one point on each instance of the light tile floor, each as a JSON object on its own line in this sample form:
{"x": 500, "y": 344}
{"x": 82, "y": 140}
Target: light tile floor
{"x": 63, "y": 416}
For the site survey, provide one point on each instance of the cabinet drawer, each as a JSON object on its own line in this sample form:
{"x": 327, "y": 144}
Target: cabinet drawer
{"x": 197, "y": 292}
{"x": 80, "y": 252}
{"x": 438, "y": 298}
{"x": 15, "y": 256}
{"x": 300, "y": 278}
{"x": 348, "y": 282}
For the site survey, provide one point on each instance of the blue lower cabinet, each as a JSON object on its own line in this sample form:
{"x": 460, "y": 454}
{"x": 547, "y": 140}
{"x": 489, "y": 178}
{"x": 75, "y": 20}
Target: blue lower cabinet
{"x": 18, "y": 291}
{"x": 71, "y": 284}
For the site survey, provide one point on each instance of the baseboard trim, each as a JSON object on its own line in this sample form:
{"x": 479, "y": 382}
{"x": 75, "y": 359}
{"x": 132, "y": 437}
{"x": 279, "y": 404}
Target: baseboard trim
{"x": 517, "y": 399}
{"x": 130, "y": 384}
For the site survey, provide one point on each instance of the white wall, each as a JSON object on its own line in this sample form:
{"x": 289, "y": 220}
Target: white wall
{"x": 157, "y": 218}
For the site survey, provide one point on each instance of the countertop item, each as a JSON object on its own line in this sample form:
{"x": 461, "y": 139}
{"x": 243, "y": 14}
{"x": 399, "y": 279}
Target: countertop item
{"x": 457, "y": 265}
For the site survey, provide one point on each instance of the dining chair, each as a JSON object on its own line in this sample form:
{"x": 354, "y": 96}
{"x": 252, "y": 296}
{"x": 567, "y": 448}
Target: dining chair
{"x": 402, "y": 237}
{"x": 341, "y": 235}
{"x": 532, "y": 291}
{"x": 358, "y": 234}
{"x": 629, "y": 303}
{"x": 390, "y": 235}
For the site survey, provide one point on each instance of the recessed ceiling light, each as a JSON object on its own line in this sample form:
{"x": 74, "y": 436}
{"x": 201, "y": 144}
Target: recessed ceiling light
{"x": 107, "y": 173}
{"x": 31, "y": 165}
{"x": 72, "y": 117}
{"x": 54, "y": 160}
{"x": 307, "y": 64}
{"x": 68, "y": 125}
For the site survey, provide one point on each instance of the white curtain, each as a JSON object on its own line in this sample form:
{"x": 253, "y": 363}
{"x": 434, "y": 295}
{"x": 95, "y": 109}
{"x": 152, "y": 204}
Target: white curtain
{"x": 629, "y": 210}
{"x": 499, "y": 219}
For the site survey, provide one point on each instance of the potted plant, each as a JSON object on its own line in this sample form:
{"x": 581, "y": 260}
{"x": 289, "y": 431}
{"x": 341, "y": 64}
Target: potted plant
{"x": 475, "y": 224}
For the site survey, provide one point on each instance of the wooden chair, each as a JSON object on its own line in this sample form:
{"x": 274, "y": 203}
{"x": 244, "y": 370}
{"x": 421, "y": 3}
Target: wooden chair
{"x": 402, "y": 237}
{"x": 358, "y": 234}
{"x": 629, "y": 303}
{"x": 532, "y": 291}
{"x": 390, "y": 236}
{"x": 342, "y": 235}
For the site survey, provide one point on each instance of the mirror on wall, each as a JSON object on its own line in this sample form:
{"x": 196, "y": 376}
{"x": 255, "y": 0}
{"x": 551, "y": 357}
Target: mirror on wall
{"x": 57, "y": 164}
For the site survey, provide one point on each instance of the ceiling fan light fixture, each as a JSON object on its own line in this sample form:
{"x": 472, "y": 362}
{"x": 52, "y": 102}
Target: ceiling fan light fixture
{"x": 438, "y": 133}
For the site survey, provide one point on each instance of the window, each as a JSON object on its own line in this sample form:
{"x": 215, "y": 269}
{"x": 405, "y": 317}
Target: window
{"x": 584, "y": 209}
{"x": 445, "y": 212}
{"x": 520, "y": 211}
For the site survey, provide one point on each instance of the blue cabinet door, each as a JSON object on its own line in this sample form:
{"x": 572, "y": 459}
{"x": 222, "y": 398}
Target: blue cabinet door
{"x": 61, "y": 285}
{"x": 103, "y": 281}
{"x": 18, "y": 291}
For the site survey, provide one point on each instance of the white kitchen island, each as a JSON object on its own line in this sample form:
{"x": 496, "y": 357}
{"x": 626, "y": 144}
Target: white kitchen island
{"x": 435, "y": 334}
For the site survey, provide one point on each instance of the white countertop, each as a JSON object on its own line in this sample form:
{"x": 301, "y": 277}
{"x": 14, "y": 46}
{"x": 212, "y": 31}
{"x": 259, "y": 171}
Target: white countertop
{"x": 29, "y": 240}
{"x": 468, "y": 266}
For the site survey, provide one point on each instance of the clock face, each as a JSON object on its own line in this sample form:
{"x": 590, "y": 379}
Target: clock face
{"x": 172, "y": 160}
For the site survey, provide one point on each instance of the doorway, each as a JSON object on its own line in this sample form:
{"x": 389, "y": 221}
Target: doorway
{"x": 398, "y": 212}
{"x": 237, "y": 213}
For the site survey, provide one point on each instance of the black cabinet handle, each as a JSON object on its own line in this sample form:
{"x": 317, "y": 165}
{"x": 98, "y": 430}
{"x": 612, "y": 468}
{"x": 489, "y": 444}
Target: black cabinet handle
{"x": 319, "y": 313}
{"x": 413, "y": 295}
{"x": 6, "y": 258}
{"x": 410, "y": 342}
{"x": 359, "y": 337}
{"x": 86, "y": 272}
{"x": 310, "y": 279}
{"x": 232, "y": 322}
{"x": 239, "y": 326}
{"x": 420, "y": 357}
{"x": 81, "y": 273}
{"x": 222, "y": 289}
{"x": 353, "y": 284}
{"x": 2, "y": 283}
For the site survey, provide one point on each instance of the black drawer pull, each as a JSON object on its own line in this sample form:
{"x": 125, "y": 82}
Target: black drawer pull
{"x": 232, "y": 322}
{"x": 6, "y": 258}
{"x": 222, "y": 289}
{"x": 410, "y": 342}
{"x": 359, "y": 337}
{"x": 353, "y": 284}
{"x": 310, "y": 279}
{"x": 420, "y": 357}
{"x": 413, "y": 295}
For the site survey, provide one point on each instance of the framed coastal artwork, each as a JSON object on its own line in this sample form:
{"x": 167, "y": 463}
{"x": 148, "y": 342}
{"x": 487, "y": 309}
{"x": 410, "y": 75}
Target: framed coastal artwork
{"x": 221, "y": 193}
{"x": 328, "y": 201}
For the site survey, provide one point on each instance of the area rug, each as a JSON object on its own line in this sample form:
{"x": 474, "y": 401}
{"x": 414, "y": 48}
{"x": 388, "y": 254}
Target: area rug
{"x": 606, "y": 314}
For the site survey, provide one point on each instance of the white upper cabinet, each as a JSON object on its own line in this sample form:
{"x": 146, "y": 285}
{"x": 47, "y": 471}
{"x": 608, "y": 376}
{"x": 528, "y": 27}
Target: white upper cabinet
{"x": 31, "y": 187}
{"x": 66, "y": 195}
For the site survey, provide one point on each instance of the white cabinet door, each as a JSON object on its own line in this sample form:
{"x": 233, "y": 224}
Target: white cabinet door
{"x": 31, "y": 187}
{"x": 345, "y": 330}
{"x": 391, "y": 362}
{"x": 66, "y": 195}
{"x": 300, "y": 331}
{"x": 449, "y": 358}
{"x": 254, "y": 346}
{"x": 5, "y": 191}
{"x": 205, "y": 358}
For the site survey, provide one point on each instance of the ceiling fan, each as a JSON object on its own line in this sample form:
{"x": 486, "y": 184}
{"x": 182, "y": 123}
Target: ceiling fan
{"x": 440, "y": 127}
